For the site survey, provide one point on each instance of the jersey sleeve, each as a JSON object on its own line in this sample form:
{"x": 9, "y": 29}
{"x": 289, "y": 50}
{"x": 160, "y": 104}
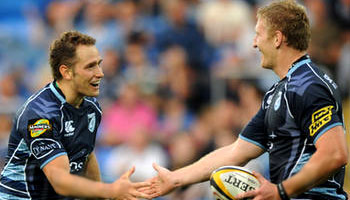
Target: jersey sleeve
{"x": 316, "y": 111}
{"x": 40, "y": 133}
{"x": 254, "y": 131}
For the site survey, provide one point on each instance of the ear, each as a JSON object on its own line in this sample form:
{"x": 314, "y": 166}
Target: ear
{"x": 66, "y": 72}
{"x": 278, "y": 39}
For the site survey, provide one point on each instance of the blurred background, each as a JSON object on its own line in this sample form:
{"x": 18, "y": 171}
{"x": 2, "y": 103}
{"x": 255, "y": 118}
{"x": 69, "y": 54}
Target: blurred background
{"x": 181, "y": 76}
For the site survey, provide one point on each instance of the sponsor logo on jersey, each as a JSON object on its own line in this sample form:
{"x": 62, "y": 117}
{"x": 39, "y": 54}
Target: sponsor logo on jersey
{"x": 39, "y": 127}
{"x": 42, "y": 147}
{"x": 330, "y": 81}
{"x": 92, "y": 122}
{"x": 69, "y": 128}
{"x": 320, "y": 118}
{"x": 76, "y": 166}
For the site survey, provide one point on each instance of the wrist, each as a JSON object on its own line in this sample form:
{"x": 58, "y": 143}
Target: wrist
{"x": 282, "y": 192}
{"x": 109, "y": 190}
{"x": 177, "y": 181}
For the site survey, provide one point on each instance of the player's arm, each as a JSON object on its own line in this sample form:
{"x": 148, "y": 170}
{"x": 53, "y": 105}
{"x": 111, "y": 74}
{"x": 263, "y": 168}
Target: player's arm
{"x": 92, "y": 170}
{"x": 318, "y": 116}
{"x": 57, "y": 172}
{"x": 330, "y": 156}
{"x": 238, "y": 153}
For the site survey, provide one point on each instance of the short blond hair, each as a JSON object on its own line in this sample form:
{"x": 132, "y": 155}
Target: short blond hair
{"x": 291, "y": 19}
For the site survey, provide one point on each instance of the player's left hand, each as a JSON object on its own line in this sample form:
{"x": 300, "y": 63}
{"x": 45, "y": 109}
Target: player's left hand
{"x": 266, "y": 191}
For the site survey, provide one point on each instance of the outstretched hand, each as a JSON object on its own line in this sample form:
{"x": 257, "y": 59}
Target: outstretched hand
{"x": 127, "y": 190}
{"x": 163, "y": 183}
{"x": 266, "y": 191}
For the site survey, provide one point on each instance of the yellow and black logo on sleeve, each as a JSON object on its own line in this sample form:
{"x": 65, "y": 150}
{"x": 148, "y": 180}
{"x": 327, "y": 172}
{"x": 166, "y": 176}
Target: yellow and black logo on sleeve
{"x": 320, "y": 118}
{"x": 39, "y": 127}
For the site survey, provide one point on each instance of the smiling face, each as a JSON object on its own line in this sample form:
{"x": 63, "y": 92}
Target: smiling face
{"x": 87, "y": 72}
{"x": 264, "y": 43}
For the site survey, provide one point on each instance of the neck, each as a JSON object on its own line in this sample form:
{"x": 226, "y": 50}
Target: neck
{"x": 72, "y": 97}
{"x": 285, "y": 59}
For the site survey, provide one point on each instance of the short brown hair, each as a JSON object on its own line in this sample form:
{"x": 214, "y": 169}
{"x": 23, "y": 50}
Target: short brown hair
{"x": 290, "y": 18}
{"x": 63, "y": 50}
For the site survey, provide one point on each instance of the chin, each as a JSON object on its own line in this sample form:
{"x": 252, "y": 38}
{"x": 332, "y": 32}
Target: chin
{"x": 93, "y": 94}
{"x": 266, "y": 67}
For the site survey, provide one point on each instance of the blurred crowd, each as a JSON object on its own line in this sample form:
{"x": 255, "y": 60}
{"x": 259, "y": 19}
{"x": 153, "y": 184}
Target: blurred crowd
{"x": 181, "y": 76}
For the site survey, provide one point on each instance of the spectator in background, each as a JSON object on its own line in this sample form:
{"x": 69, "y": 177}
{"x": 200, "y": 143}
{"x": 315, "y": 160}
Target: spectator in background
{"x": 174, "y": 118}
{"x": 112, "y": 82}
{"x": 339, "y": 11}
{"x": 325, "y": 45}
{"x": 129, "y": 128}
{"x": 5, "y": 130}
{"x": 98, "y": 21}
{"x": 182, "y": 151}
{"x": 60, "y": 15}
{"x": 10, "y": 99}
{"x": 140, "y": 151}
{"x": 340, "y": 14}
{"x": 128, "y": 116}
{"x": 179, "y": 80}
{"x": 228, "y": 26}
{"x": 343, "y": 70}
{"x": 138, "y": 69}
{"x": 182, "y": 31}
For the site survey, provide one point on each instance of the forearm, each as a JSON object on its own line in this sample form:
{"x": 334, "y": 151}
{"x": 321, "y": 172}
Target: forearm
{"x": 72, "y": 185}
{"x": 330, "y": 156}
{"x": 92, "y": 169}
{"x": 229, "y": 155}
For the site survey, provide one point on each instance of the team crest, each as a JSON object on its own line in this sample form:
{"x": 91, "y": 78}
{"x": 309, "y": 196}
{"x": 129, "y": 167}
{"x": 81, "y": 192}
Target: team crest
{"x": 278, "y": 101}
{"x": 39, "y": 127}
{"x": 92, "y": 122}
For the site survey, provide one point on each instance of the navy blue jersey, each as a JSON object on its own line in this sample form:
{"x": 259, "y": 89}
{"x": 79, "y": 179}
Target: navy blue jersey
{"x": 295, "y": 112}
{"x": 45, "y": 128}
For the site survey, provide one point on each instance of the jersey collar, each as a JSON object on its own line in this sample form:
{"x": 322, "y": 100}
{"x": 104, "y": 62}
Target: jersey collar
{"x": 57, "y": 91}
{"x": 301, "y": 61}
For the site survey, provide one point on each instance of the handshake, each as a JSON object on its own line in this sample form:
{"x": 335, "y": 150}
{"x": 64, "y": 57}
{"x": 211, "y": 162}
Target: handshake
{"x": 157, "y": 186}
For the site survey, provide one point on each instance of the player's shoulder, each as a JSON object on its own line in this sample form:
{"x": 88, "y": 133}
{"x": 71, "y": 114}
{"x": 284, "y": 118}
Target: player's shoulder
{"x": 41, "y": 104}
{"x": 92, "y": 101}
{"x": 309, "y": 77}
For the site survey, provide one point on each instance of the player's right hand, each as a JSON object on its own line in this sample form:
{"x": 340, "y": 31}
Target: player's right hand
{"x": 124, "y": 189}
{"x": 163, "y": 183}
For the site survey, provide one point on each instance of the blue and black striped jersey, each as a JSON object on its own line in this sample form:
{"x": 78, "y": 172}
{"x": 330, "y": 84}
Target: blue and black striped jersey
{"x": 44, "y": 128}
{"x": 294, "y": 114}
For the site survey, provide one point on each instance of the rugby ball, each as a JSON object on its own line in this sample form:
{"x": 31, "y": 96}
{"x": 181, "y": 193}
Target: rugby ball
{"x": 228, "y": 181}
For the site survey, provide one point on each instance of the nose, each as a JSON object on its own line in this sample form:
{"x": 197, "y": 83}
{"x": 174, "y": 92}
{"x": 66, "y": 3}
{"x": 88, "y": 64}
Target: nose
{"x": 99, "y": 72}
{"x": 254, "y": 43}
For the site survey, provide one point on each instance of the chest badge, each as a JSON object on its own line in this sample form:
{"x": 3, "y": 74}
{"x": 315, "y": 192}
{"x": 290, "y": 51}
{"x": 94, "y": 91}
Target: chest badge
{"x": 92, "y": 122}
{"x": 69, "y": 128}
{"x": 278, "y": 101}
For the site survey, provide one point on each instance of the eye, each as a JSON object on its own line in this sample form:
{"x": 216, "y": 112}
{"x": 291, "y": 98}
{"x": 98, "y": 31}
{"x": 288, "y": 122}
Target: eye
{"x": 91, "y": 66}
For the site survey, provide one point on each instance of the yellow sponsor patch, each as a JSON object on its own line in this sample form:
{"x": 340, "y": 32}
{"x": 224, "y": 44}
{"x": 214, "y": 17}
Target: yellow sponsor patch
{"x": 320, "y": 118}
{"x": 39, "y": 127}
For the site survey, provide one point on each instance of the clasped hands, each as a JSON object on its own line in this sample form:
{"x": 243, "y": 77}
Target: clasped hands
{"x": 166, "y": 181}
